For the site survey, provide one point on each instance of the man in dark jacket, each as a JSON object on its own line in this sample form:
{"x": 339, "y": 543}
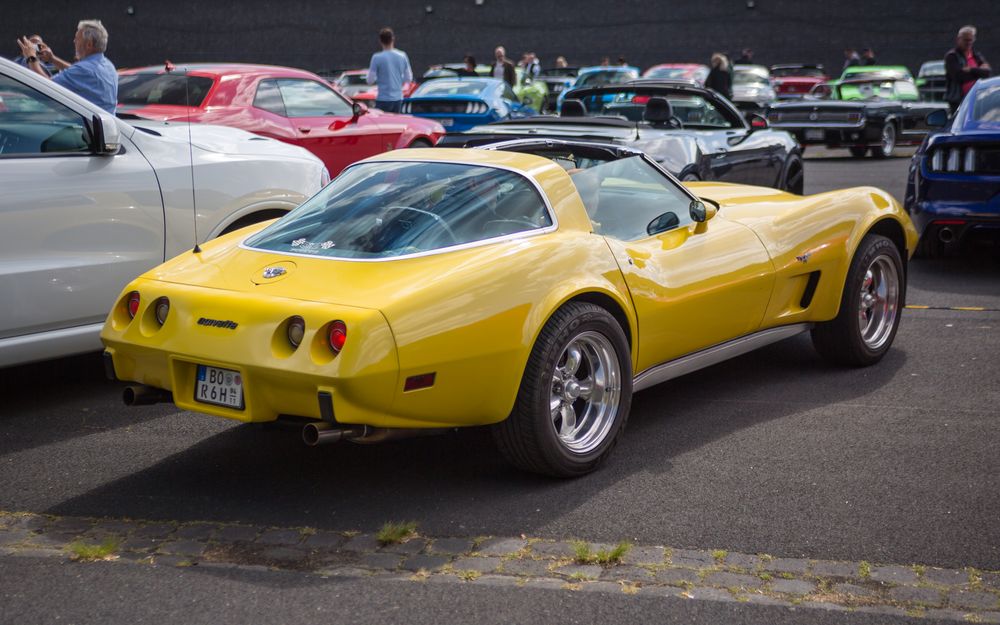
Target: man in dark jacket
{"x": 963, "y": 67}
{"x": 504, "y": 67}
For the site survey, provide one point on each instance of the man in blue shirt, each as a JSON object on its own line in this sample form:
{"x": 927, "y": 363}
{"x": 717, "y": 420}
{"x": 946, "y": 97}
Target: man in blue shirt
{"x": 93, "y": 76}
{"x": 389, "y": 69}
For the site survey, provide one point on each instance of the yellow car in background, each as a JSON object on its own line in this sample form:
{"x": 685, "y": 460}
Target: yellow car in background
{"x": 534, "y": 286}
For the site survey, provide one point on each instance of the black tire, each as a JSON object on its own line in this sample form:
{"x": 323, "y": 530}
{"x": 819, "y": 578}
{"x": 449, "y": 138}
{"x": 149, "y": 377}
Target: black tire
{"x": 690, "y": 177}
{"x": 888, "y": 139}
{"x": 255, "y": 218}
{"x": 420, "y": 143}
{"x": 528, "y": 437}
{"x": 858, "y": 151}
{"x": 843, "y": 340}
{"x": 793, "y": 178}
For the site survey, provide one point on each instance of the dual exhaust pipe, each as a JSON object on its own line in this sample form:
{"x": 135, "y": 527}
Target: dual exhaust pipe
{"x": 313, "y": 434}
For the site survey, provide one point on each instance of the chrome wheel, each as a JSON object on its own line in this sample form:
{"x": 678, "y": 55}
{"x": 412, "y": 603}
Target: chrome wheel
{"x": 888, "y": 139}
{"x": 585, "y": 392}
{"x": 878, "y": 304}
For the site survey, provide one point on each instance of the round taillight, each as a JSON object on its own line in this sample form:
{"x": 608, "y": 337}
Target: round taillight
{"x": 296, "y": 330}
{"x": 338, "y": 336}
{"x": 162, "y": 310}
{"x": 132, "y": 305}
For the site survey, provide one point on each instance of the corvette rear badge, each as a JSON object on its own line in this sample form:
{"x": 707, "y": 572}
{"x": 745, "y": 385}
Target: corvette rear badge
{"x": 274, "y": 272}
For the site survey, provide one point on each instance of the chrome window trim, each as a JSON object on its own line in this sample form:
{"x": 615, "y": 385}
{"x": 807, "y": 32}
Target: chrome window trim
{"x": 440, "y": 250}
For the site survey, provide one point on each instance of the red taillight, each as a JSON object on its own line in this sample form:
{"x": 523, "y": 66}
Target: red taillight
{"x": 640, "y": 99}
{"x": 133, "y": 304}
{"x": 338, "y": 336}
{"x": 949, "y": 222}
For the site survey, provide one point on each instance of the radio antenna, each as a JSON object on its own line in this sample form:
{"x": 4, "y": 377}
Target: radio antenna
{"x": 169, "y": 67}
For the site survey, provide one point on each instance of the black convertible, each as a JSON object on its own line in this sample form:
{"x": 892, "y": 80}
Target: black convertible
{"x": 877, "y": 112}
{"x": 693, "y": 132}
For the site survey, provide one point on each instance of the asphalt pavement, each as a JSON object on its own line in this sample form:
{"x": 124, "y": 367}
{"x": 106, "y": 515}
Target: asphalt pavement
{"x": 774, "y": 452}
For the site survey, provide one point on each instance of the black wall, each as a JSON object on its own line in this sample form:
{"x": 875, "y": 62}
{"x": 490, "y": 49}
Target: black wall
{"x": 339, "y": 34}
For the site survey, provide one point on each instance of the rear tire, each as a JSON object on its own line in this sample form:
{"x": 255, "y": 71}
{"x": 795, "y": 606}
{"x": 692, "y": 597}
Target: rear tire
{"x": 793, "y": 179}
{"x": 420, "y": 143}
{"x": 574, "y": 397}
{"x": 870, "y": 307}
{"x": 887, "y": 145}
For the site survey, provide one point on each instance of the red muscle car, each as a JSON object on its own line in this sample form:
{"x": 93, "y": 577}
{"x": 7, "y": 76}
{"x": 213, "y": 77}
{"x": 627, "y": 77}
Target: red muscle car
{"x": 796, "y": 80}
{"x": 288, "y": 104}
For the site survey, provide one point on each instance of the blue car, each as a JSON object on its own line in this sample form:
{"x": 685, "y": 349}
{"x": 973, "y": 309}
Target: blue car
{"x": 598, "y": 75}
{"x": 461, "y": 103}
{"x": 953, "y": 192}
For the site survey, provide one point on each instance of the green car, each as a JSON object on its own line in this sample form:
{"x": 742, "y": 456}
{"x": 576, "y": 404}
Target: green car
{"x": 863, "y": 82}
{"x": 531, "y": 93}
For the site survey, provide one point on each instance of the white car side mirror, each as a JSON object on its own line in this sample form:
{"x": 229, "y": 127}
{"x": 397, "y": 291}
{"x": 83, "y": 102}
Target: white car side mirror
{"x": 105, "y": 136}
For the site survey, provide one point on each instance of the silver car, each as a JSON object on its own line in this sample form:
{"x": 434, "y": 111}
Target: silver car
{"x": 88, "y": 202}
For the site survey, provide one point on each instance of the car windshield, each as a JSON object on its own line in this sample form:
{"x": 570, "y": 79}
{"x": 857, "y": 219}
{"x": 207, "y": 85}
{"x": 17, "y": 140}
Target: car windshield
{"x": 796, "y": 72}
{"x": 628, "y": 199}
{"x": 389, "y": 209}
{"x": 933, "y": 68}
{"x": 886, "y": 89}
{"x": 605, "y": 78}
{"x": 353, "y": 80}
{"x": 749, "y": 78}
{"x": 690, "y": 109}
{"x": 445, "y": 87}
{"x": 172, "y": 89}
{"x": 668, "y": 72}
{"x": 986, "y": 108}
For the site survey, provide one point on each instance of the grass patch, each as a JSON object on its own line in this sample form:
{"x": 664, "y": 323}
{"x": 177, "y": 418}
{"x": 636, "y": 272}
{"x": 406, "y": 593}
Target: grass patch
{"x": 720, "y": 555}
{"x": 786, "y": 575}
{"x": 395, "y": 533}
{"x": 469, "y": 576}
{"x": 975, "y": 578}
{"x": 583, "y": 554}
{"x": 765, "y": 576}
{"x": 350, "y": 533}
{"x": 864, "y": 569}
{"x": 919, "y": 569}
{"x": 85, "y": 552}
{"x": 629, "y": 588}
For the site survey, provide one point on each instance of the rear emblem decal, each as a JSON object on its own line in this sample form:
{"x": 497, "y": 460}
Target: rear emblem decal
{"x": 274, "y": 272}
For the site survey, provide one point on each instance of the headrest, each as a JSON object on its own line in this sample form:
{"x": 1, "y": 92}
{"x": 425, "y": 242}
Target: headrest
{"x": 657, "y": 110}
{"x": 573, "y": 108}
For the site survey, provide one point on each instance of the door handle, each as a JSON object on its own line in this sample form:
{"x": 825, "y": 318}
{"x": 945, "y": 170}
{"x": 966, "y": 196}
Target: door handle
{"x": 305, "y": 131}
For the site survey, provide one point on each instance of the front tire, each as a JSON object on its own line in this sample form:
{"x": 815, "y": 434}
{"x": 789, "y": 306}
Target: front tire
{"x": 870, "y": 307}
{"x": 574, "y": 397}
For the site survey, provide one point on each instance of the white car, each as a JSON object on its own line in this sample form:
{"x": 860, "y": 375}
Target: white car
{"x": 752, "y": 88}
{"x": 88, "y": 202}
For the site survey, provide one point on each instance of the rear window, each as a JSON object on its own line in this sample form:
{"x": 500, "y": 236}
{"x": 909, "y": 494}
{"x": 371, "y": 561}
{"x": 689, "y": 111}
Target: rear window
{"x": 986, "y": 107}
{"x": 171, "y": 89}
{"x": 388, "y": 209}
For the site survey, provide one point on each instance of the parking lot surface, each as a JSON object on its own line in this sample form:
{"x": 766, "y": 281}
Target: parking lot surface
{"x": 775, "y": 452}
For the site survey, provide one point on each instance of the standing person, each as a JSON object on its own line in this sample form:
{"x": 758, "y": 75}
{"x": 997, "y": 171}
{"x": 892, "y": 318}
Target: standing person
{"x": 605, "y": 61}
{"x": 389, "y": 69}
{"x": 746, "y": 56}
{"x": 719, "y": 79}
{"x": 561, "y": 62}
{"x": 868, "y": 57}
{"x": 93, "y": 76}
{"x": 963, "y": 67}
{"x": 534, "y": 66}
{"x": 470, "y": 67}
{"x": 851, "y": 58}
{"x": 503, "y": 67}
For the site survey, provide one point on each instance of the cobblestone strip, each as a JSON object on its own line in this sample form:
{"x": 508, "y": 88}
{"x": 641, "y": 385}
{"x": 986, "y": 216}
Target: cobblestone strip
{"x": 919, "y": 591}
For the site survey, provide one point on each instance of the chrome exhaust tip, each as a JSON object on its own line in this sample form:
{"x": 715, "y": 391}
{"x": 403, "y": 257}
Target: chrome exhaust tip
{"x": 322, "y": 433}
{"x": 145, "y": 395}
{"x": 946, "y": 235}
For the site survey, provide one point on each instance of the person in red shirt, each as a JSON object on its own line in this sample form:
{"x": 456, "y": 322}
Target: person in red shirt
{"x": 963, "y": 66}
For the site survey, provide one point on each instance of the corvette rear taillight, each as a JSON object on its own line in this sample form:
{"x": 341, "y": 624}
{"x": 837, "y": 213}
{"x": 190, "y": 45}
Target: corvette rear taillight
{"x": 132, "y": 304}
{"x": 162, "y": 310}
{"x": 338, "y": 336}
{"x": 296, "y": 331}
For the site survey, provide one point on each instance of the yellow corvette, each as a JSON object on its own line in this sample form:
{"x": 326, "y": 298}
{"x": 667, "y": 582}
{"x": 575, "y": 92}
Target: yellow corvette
{"x": 533, "y": 286}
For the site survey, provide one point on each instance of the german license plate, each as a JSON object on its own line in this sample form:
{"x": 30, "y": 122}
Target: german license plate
{"x": 815, "y": 135}
{"x": 447, "y": 121}
{"x": 221, "y": 387}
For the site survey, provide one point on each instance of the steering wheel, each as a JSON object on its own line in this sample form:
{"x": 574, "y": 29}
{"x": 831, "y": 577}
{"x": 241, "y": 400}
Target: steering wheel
{"x": 436, "y": 218}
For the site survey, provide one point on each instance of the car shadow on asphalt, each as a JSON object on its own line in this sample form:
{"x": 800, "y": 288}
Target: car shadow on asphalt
{"x": 56, "y": 400}
{"x": 457, "y": 484}
{"x": 973, "y": 271}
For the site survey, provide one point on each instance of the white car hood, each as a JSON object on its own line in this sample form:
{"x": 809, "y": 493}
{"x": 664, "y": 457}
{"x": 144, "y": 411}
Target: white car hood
{"x": 221, "y": 139}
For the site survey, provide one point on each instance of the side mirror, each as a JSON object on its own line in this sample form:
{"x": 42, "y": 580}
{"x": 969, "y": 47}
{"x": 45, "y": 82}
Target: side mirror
{"x": 359, "y": 109}
{"x": 104, "y": 134}
{"x": 757, "y": 122}
{"x": 701, "y": 213}
{"x": 937, "y": 119}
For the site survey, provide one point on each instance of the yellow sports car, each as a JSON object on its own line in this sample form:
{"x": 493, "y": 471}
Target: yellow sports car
{"x": 533, "y": 286}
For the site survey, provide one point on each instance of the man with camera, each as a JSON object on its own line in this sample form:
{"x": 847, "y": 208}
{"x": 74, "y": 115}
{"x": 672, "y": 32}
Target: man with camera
{"x": 40, "y": 47}
{"x": 93, "y": 76}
